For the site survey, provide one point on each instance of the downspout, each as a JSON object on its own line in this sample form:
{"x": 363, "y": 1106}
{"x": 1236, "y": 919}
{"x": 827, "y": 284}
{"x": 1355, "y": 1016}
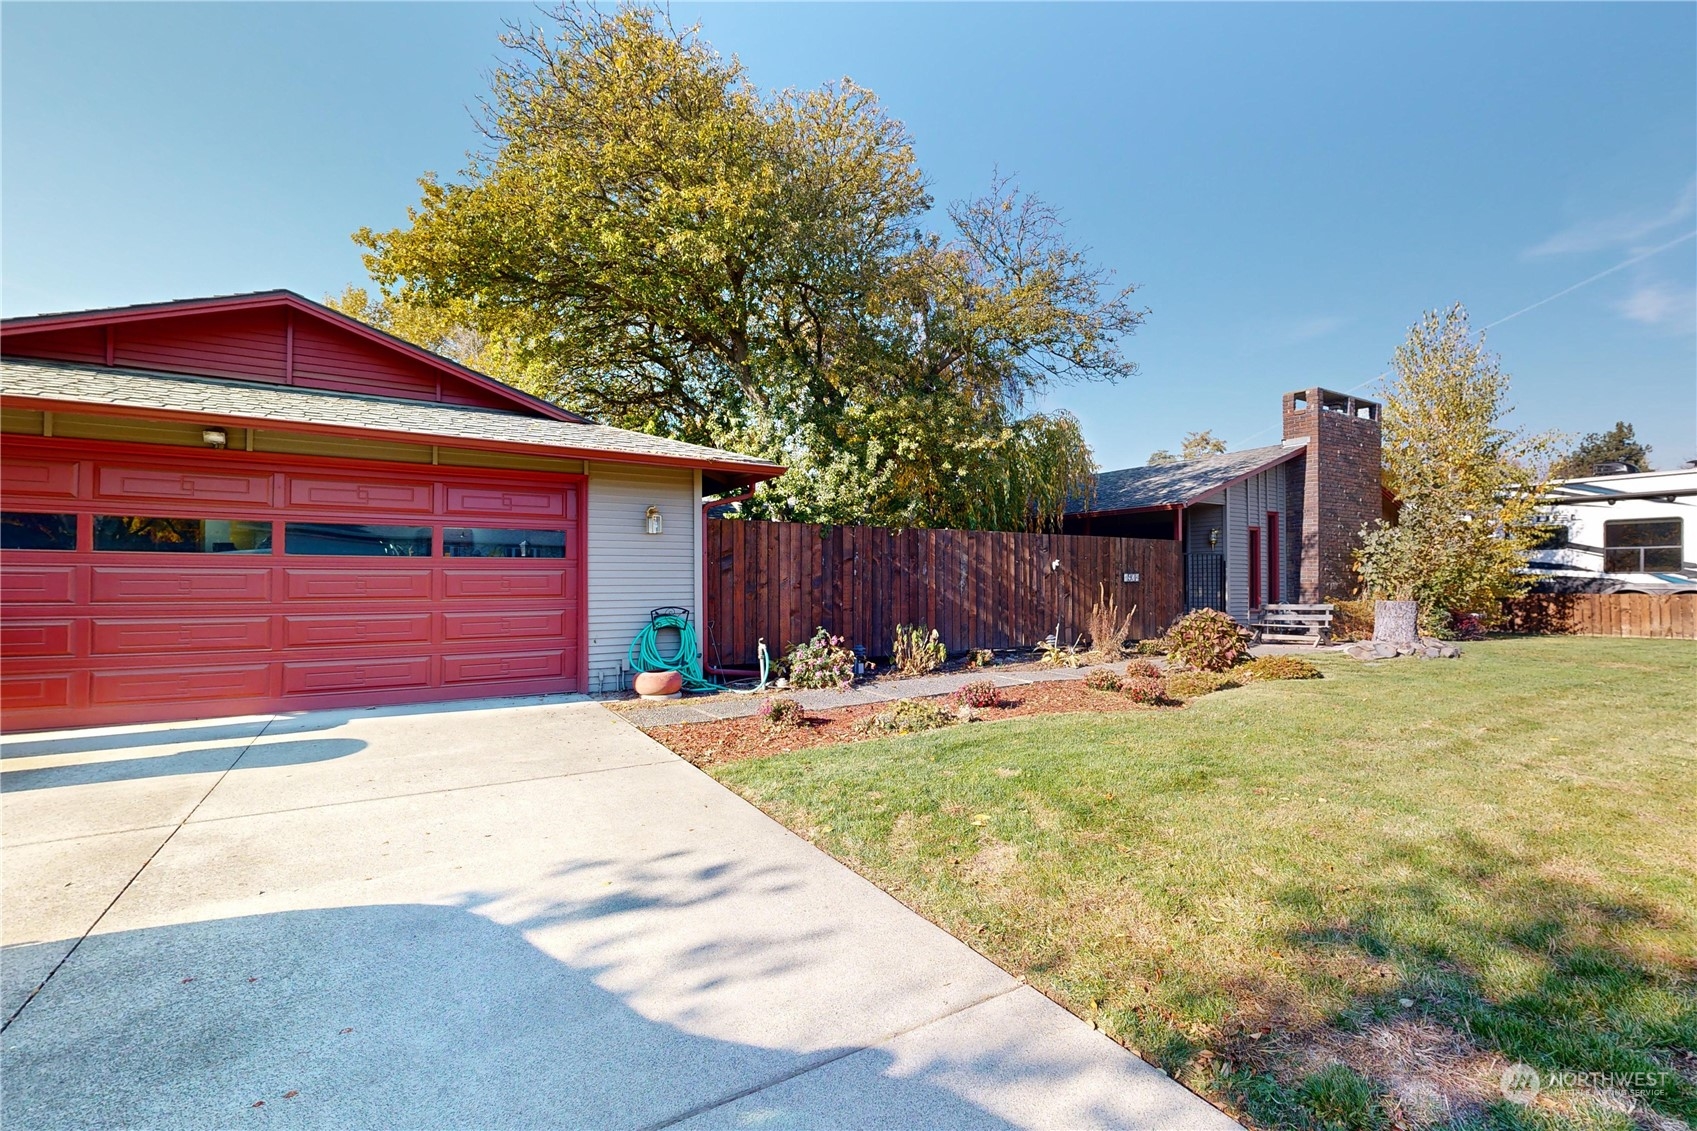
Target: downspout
{"x": 707, "y": 505}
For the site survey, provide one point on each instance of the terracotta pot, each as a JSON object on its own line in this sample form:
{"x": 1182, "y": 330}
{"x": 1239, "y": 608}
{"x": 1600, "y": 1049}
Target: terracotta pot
{"x": 659, "y": 685}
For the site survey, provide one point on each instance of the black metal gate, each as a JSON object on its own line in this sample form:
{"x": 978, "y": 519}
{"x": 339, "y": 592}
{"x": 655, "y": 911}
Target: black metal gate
{"x": 1205, "y": 581}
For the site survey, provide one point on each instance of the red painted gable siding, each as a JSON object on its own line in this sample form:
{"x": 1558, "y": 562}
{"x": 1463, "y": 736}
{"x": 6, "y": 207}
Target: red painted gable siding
{"x": 272, "y": 345}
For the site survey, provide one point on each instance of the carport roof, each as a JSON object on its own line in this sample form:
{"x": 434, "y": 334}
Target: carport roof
{"x": 251, "y": 402}
{"x": 1178, "y": 484}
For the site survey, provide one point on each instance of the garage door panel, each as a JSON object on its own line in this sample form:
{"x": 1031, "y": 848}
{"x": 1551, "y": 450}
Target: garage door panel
{"x": 36, "y": 638}
{"x": 43, "y": 691}
{"x": 505, "y": 583}
{"x": 501, "y": 624}
{"x": 44, "y": 478}
{"x": 323, "y": 631}
{"x": 356, "y": 675}
{"x": 124, "y": 637}
{"x": 492, "y": 666}
{"x": 189, "y": 583}
{"x": 43, "y": 585}
{"x": 144, "y": 634}
{"x": 145, "y": 685}
{"x": 371, "y": 584}
{"x": 514, "y": 501}
{"x": 119, "y": 483}
{"x": 361, "y": 495}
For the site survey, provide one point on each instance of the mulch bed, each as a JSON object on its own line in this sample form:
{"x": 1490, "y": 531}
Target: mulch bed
{"x": 732, "y": 740}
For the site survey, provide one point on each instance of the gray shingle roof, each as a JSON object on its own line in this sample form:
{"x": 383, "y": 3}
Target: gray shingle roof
{"x": 1172, "y": 484}
{"x": 285, "y": 405}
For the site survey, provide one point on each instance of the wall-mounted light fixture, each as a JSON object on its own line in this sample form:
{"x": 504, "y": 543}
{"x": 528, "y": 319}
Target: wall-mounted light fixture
{"x": 1213, "y": 538}
{"x": 214, "y": 437}
{"x": 652, "y": 519}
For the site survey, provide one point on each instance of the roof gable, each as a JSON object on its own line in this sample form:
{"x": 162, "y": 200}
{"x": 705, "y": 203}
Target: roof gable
{"x": 272, "y": 337}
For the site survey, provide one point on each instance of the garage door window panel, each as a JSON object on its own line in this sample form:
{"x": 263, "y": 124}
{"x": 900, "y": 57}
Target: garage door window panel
{"x": 356, "y": 540}
{"x": 489, "y": 542}
{"x": 28, "y": 530}
{"x": 154, "y": 535}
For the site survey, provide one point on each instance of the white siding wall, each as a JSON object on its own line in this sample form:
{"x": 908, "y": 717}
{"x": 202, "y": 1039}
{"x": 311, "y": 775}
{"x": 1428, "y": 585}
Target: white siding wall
{"x": 1247, "y": 505}
{"x": 631, "y": 572}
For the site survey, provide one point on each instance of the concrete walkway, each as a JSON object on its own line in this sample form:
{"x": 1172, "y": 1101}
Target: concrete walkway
{"x": 519, "y": 913}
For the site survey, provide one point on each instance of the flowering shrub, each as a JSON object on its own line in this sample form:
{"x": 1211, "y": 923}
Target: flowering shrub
{"x": 979, "y": 693}
{"x": 1467, "y": 626}
{"x": 781, "y": 714}
{"x": 1280, "y": 667}
{"x": 1142, "y": 669}
{"x": 1193, "y": 685}
{"x": 1142, "y": 689}
{"x": 915, "y": 652}
{"x": 1207, "y": 639}
{"x": 904, "y": 716}
{"x": 1101, "y": 679}
{"x": 821, "y": 662}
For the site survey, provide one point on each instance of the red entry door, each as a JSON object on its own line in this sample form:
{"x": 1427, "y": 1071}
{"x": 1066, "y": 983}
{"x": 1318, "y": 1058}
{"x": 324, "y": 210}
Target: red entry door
{"x": 1255, "y": 567}
{"x": 144, "y": 586}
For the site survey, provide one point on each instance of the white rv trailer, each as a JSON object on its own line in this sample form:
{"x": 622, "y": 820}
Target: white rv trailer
{"x": 1621, "y": 533}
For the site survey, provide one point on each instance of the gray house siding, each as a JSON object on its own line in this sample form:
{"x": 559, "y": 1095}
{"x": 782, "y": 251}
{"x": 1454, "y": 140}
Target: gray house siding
{"x": 1247, "y": 505}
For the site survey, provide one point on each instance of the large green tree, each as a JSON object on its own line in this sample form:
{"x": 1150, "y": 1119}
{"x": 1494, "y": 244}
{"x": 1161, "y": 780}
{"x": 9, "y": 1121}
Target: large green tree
{"x": 648, "y": 238}
{"x": 1467, "y": 483}
{"x": 1617, "y": 445}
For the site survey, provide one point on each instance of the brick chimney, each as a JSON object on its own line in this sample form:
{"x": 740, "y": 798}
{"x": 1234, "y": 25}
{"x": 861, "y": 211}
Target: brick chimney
{"x": 1332, "y": 491}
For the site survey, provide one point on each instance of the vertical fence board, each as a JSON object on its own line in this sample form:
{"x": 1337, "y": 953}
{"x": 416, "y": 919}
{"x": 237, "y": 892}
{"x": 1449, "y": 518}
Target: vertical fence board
{"x": 1668, "y": 616}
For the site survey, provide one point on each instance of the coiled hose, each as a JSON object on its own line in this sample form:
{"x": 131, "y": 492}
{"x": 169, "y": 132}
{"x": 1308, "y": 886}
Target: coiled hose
{"x": 646, "y": 656}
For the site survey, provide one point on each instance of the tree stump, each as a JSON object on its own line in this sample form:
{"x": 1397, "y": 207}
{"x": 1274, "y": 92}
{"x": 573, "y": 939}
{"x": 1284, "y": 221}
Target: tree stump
{"x": 1396, "y": 623}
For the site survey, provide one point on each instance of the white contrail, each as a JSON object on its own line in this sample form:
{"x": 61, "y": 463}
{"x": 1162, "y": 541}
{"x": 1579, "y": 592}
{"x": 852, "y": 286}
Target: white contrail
{"x": 1639, "y": 258}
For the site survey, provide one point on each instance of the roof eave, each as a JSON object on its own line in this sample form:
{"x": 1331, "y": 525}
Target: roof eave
{"x": 742, "y": 474}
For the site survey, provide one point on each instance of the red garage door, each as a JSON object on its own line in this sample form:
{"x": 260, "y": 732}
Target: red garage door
{"x": 141, "y": 587}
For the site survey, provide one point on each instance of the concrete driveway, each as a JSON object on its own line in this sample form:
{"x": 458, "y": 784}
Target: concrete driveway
{"x": 515, "y": 913}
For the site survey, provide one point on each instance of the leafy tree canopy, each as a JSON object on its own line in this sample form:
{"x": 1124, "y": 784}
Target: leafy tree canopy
{"x": 1617, "y": 445}
{"x": 649, "y": 239}
{"x": 1467, "y": 484}
{"x": 1196, "y": 446}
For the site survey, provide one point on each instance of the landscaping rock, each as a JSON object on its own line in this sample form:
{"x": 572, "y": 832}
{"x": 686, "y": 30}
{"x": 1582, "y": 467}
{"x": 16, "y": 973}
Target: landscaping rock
{"x": 1426, "y": 648}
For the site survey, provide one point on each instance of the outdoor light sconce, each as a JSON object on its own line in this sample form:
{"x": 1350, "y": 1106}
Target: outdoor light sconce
{"x": 652, "y": 517}
{"x": 1213, "y": 538}
{"x": 214, "y": 437}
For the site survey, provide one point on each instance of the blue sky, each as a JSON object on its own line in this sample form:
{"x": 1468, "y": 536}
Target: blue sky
{"x": 1290, "y": 185}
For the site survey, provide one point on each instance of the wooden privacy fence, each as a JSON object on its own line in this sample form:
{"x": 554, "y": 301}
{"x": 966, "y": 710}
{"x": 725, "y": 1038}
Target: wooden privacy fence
{"x": 1667, "y": 615}
{"x": 979, "y": 589}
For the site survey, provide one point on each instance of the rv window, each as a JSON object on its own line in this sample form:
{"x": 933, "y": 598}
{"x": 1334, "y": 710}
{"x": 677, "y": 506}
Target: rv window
{"x": 1643, "y": 545}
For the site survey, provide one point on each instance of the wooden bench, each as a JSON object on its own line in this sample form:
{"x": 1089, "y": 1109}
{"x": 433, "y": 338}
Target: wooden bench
{"x": 1297, "y": 624}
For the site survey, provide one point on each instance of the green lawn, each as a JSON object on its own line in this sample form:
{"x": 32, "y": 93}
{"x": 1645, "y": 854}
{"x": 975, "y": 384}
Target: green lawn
{"x": 1344, "y": 902}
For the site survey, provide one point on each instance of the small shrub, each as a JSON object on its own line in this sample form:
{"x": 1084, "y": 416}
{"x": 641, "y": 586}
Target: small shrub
{"x": 980, "y": 658}
{"x": 1194, "y": 685}
{"x": 1467, "y": 626}
{"x": 1351, "y": 620}
{"x": 1143, "y": 689}
{"x": 1107, "y": 627}
{"x": 1154, "y": 646}
{"x": 1143, "y": 669}
{"x": 1051, "y": 655}
{"x": 781, "y": 713}
{"x": 1101, "y": 679}
{"x": 1280, "y": 667}
{"x": 821, "y": 662}
{"x": 916, "y": 650}
{"x": 905, "y": 716}
{"x": 979, "y": 693}
{"x": 1209, "y": 640}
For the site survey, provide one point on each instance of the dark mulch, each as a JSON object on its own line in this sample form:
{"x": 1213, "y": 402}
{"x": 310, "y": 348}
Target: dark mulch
{"x": 732, "y": 740}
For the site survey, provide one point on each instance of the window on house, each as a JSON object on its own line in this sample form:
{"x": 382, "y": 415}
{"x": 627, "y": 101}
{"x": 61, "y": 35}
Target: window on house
{"x": 150, "y": 535}
{"x": 1643, "y": 545}
{"x": 26, "y": 530}
{"x": 356, "y": 540}
{"x": 483, "y": 542}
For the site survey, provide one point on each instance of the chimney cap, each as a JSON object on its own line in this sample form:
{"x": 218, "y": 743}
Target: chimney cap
{"x": 1347, "y": 404}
